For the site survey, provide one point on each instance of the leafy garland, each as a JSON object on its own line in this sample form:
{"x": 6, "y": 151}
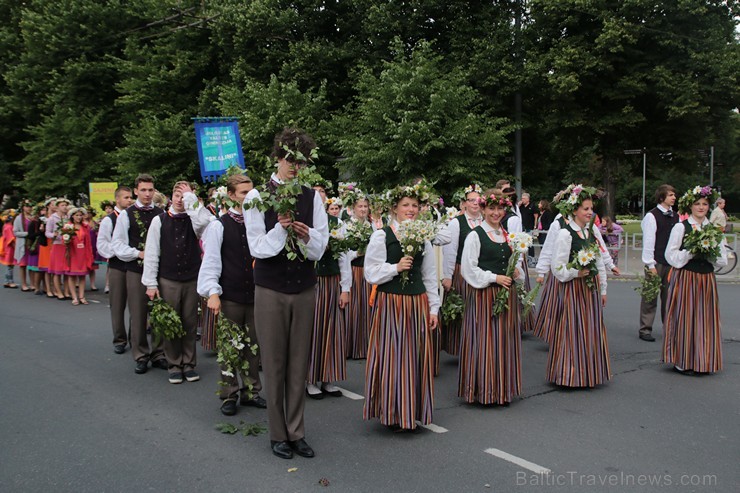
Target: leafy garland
{"x": 165, "y": 322}
{"x": 143, "y": 230}
{"x": 649, "y": 287}
{"x": 230, "y": 341}
{"x": 452, "y": 307}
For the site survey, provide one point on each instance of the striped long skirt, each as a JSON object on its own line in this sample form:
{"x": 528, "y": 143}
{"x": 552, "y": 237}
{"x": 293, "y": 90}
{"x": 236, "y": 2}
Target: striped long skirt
{"x": 490, "y": 357}
{"x": 579, "y": 352}
{"x": 358, "y": 316}
{"x": 399, "y": 381}
{"x": 327, "y": 362}
{"x": 692, "y": 329}
{"x": 551, "y": 306}
{"x": 527, "y": 323}
{"x": 451, "y": 330}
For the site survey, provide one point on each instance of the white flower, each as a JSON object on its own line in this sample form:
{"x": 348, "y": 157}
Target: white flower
{"x": 706, "y": 244}
{"x": 696, "y": 190}
{"x": 65, "y": 237}
{"x": 227, "y": 373}
{"x": 573, "y": 199}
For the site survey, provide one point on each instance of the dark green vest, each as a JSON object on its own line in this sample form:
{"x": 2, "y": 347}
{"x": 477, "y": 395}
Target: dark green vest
{"x": 464, "y": 231}
{"x": 394, "y": 254}
{"x": 699, "y": 265}
{"x": 494, "y": 257}
{"x": 327, "y": 265}
{"x": 577, "y": 243}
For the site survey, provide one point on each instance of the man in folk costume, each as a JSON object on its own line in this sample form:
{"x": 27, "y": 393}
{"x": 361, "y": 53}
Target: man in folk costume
{"x": 129, "y": 239}
{"x": 227, "y": 281}
{"x": 656, "y": 231}
{"x": 285, "y": 292}
{"x": 171, "y": 264}
{"x": 116, "y": 270}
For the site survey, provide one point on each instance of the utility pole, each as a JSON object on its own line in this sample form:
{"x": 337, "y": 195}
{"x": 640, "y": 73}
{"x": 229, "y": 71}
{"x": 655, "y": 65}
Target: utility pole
{"x": 518, "y": 103}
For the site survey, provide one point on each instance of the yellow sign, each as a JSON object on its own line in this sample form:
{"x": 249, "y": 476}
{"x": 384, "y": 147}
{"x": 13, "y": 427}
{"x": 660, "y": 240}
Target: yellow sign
{"x": 100, "y": 192}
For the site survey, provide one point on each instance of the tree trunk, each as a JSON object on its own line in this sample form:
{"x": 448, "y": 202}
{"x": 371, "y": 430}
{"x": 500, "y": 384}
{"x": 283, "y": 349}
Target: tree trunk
{"x": 611, "y": 165}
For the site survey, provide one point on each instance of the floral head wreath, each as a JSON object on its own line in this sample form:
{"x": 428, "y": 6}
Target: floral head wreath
{"x": 333, "y": 201}
{"x": 37, "y": 208}
{"x": 25, "y": 203}
{"x": 380, "y": 202}
{"x": 474, "y": 187}
{"x": 495, "y": 200}
{"x": 694, "y": 194}
{"x": 50, "y": 200}
{"x": 419, "y": 192}
{"x": 59, "y": 201}
{"x": 7, "y": 214}
{"x": 107, "y": 203}
{"x": 74, "y": 210}
{"x": 350, "y": 194}
{"x": 568, "y": 200}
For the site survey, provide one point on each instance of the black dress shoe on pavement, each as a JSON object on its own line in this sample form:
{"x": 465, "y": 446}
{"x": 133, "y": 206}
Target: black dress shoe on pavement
{"x": 282, "y": 450}
{"x": 141, "y": 367}
{"x": 228, "y": 408}
{"x": 119, "y": 349}
{"x": 333, "y": 393}
{"x": 318, "y": 396}
{"x": 301, "y": 448}
{"x": 647, "y": 337}
{"x": 160, "y": 363}
{"x": 256, "y": 401}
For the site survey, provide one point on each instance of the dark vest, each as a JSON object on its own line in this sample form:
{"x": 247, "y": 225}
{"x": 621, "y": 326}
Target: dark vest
{"x": 179, "y": 258}
{"x": 358, "y": 261}
{"x": 237, "y": 277}
{"x": 577, "y": 243}
{"x": 394, "y": 254}
{"x": 494, "y": 257}
{"x": 699, "y": 265}
{"x": 279, "y": 273}
{"x": 327, "y": 265}
{"x": 135, "y": 234}
{"x": 115, "y": 262}
{"x": 464, "y": 230}
{"x": 662, "y": 233}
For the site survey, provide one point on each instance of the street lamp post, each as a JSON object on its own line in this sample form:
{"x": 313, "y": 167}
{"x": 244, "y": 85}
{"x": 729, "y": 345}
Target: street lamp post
{"x": 642, "y": 151}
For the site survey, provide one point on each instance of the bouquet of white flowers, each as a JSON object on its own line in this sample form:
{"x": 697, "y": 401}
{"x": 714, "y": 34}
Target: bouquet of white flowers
{"x": 519, "y": 243}
{"x": 412, "y": 235}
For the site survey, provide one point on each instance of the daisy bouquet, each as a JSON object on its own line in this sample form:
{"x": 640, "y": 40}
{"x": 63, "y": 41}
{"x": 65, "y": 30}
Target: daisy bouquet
{"x": 337, "y": 245}
{"x": 585, "y": 258}
{"x": 357, "y": 235}
{"x": 519, "y": 243}
{"x": 412, "y": 235}
{"x": 704, "y": 243}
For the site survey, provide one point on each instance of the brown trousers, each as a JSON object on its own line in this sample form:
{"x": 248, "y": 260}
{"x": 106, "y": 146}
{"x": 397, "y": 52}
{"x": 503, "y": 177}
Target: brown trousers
{"x": 647, "y": 310}
{"x": 137, "y": 309}
{"x": 284, "y": 325}
{"x": 242, "y": 315}
{"x": 117, "y": 300}
{"x": 183, "y": 297}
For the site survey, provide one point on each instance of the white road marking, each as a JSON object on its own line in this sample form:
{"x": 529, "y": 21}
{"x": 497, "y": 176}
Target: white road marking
{"x": 518, "y": 461}
{"x": 433, "y": 427}
{"x": 351, "y": 395}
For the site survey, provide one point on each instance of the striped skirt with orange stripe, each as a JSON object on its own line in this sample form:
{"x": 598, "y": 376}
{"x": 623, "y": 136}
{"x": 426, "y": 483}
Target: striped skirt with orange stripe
{"x": 358, "y": 316}
{"x": 451, "y": 330}
{"x": 579, "y": 352}
{"x": 692, "y": 329}
{"x": 527, "y": 323}
{"x": 490, "y": 357}
{"x": 399, "y": 381}
{"x": 326, "y": 361}
{"x": 551, "y": 306}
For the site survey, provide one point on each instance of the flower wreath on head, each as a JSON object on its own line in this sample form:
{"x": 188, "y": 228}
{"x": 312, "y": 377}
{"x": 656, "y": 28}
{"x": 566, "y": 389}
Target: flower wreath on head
{"x": 474, "y": 187}
{"x": 7, "y": 215}
{"x": 350, "y": 194}
{"x": 694, "y": 194}
{"x": 63, "y": 199}
{"x": 49, "y": 201}
{"x": 420, "y": 192}
{"x": 37, "y": 208}
{"x": 25, "y": 203}
{"x": 107, "y": 203}
{"x": 333, "y": 201}
{"x": 496, "y": 200}
{"x": 380, "y": 202}
{"x": 568, "y": 200}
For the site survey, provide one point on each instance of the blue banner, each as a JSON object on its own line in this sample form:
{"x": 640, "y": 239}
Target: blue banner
{"x": 219, "y": 146}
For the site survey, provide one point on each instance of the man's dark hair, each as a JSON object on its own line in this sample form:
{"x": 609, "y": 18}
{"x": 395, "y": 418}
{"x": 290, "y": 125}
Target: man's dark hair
{"x": 143, "y": 178}
{"x": 662, "y": 192}
{"x": 511, "y": 193}
{"x": 295, "y": 140}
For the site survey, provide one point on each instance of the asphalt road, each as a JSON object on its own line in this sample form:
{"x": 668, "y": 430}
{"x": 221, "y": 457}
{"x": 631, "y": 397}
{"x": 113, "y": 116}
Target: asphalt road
{"x": 75, "y": 417}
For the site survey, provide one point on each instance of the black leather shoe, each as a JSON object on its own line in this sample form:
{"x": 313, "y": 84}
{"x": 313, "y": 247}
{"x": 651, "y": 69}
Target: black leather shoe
{"x": 256, "y": 401}
{"x": 282, "y": 450}
{"x": 647, "y": 337}
{"x": 318, "y": 396}
{"x": 228, "y": 408}
{"x": 160, "y": 363}
{"x": 301, "y": 448}
{"x": 333, "y": 393}
{"x": 119, "y": 349}
{"x": 141, "y": 367}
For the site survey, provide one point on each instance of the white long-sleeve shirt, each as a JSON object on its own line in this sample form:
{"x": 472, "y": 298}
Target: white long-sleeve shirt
{"x": 679, "y": 258}
{"x": 120, "y": 238}
{"x": 545, "y": 259}
{"x": 105, "y": 236}
{"x": 267, "y": 244}
{"x": 449, "y": 251}
{"x": 649, "y": 229}
{"x": 152, "y": 252}
{"x": 561, "y": 257}
{"x": 210, "y": 266}
{"x": 379, "y": 271}
{"x": 200, "y": 216}
{"x": 474, "y": 275}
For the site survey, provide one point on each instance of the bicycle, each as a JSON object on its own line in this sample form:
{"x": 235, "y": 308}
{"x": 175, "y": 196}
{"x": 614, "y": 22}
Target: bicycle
{"x": 731, "y": 262}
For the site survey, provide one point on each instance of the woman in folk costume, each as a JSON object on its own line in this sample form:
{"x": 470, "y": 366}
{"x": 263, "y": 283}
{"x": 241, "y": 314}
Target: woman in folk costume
{"x": 34, "y": 242}
{"x": 692, "y": 335}
{"x": 20, "y": 230}
{"x": 327, "y": 361}
{"x": 490, "y": 353}
{"x": 452, "y": 279}
{"x": 58, "y": 262}
{"x": 579, "y": 352}
{"x": 45, "y": 245}
{"x": 7, "y": 247}
{"x": 80, "y": 256}
{"x": 399, "y": 380}
{"x": 358, "y": 314}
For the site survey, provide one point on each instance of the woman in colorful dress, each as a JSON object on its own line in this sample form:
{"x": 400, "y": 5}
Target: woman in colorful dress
{"x": 45, "y": 246}
{"x": 20, "y": 230}
{"x": 92, "y": 227}
{"x": 80, "y": 256}
{"x": 579, "y": 352}
{"x": 452, "y": 279}
{"x": 399, "y": 377}
{"x": 358, "y": 314}
{"x": 58, "y": 263}
{"x": 7, "y": 247}
{"x": 490, "y": 353}
{"x": 692, "y": 328}
{"x": 35, "y": 239}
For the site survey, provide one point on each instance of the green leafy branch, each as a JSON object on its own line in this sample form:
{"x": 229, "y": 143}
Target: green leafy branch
{"x": 231, "y": 340}
{"x": 165, "y": 322}
{"x": 247, "y": 429}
